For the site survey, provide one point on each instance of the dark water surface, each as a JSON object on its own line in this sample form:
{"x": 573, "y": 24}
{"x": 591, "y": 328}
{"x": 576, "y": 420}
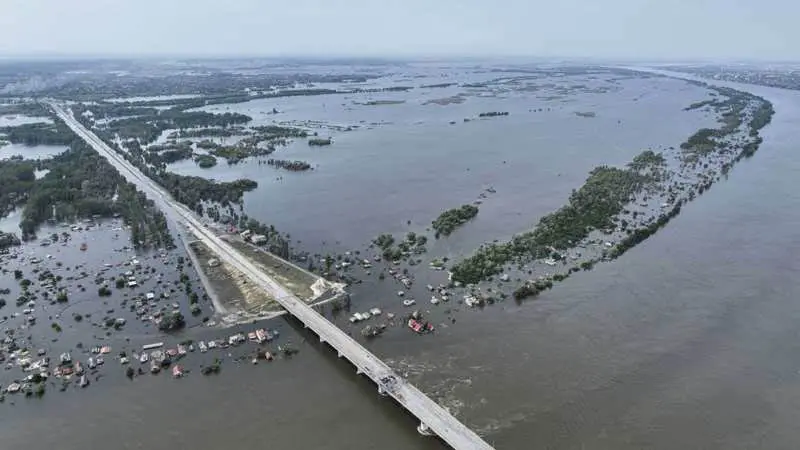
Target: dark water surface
{"x": 688, "y": 341}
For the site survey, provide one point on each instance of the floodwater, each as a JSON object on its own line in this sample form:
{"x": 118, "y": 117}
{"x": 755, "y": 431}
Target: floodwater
{"x": 690, "y": 340}
{"x": 15, "y": 121}
{"x": 31, "y": 151}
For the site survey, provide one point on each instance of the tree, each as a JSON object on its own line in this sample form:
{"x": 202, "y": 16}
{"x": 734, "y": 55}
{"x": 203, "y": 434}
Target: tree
{"x": 172, "y": 321}
{"x": 62, "y": 297}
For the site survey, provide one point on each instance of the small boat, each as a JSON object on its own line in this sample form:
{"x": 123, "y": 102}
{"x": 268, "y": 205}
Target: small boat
{"x": 212, "y": 344}
{"x": 155, "y": 367}
{"x": 84, "y": 381}
{"x": 104, "y": 350}
{"x": 409, "y": 302}
{"x": 171, "y": 352}
{"x": 181, "y": 350}
{"x": 419, "y": 327}
{"x": 434, "y": 300}
{"x": 100, "y": 361}
{"x": 400, "y": 293}
{"x": 153, "y": 346}
{"x": 13, "y": 388}
{"x": 78, "y": 368}
{"x": 262, "y": 335}
{"x": 84, "y": 246}
{"x": 177, "y": 371}
{"x": 202, "y": 346}
{"x": 252, "y": 336}
{"x": 268, "y": 356}
{"x": 143, "y": 358}
{"x": 375, "y": 311}
{"x": 90, "y": 363}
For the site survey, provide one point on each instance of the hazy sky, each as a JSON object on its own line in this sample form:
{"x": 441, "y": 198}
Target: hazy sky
{"x": 764, "y": 29}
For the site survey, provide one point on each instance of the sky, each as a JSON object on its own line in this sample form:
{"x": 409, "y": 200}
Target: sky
{"x": 634, "y": 29}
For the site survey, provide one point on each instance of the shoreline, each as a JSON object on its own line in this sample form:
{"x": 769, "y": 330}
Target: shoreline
{"x": 651, "y": 206}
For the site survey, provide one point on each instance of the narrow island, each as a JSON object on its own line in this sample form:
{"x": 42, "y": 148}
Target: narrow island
{"x": 451, "y": 219}
{"x": 617, "y": 208}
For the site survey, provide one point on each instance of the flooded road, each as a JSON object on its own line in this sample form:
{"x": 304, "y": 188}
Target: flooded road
{"x": 688, "y": 341}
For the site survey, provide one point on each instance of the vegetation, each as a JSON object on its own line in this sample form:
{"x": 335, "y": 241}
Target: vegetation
{"x": 451, "y": 219}
{"x": 171, "y": 322}
{"x": 702, "y": 104}
{"x": 591, "y": 207}
{"x": 39, "y": 133}
{"x": 82, "y": 184}
{"x": 275, "y": 131}
{"x": 147, "y": 128}
{"x": 761, "y": 117}
{"x": 319, "y": 141}
{"x": 647, "y": 159}
{"x": 191, "y": 190}
{"x": 493, "y": 114}
{"x": 205, "y": 161}
{"x": 17, "y": 178}
{"x": 294, "y": 166}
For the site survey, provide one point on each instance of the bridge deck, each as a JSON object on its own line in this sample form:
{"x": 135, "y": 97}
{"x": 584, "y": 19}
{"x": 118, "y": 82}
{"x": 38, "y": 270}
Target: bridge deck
{"x": 438, "y": 420}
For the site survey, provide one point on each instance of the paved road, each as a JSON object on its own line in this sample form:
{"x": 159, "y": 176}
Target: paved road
{"x": 438, "y": 420}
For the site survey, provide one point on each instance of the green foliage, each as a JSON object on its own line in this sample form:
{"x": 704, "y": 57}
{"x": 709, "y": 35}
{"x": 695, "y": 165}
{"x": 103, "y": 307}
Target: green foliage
{"x": 591, "y": 207}
{"x": 384, "y": 241}
{"x": 451, "y": 219}
{"x": 318, "y": 142}
{"x": 171, "y": 322}
{"x": 205, "y": 161}
{"x": 647, "y": 159}
{"x": 83, "y": 184}
{"x": 39, "y": 133}
{"x": 294, "y": 166}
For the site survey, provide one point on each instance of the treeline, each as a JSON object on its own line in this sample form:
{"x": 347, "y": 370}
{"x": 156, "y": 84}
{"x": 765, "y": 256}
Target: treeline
{"x": 592, "y": 207}
{"x": 17, "y": 177}
{"x": 148, "y": 128}
{"x": 56, "y": 133}
{"x": 451, "y": 219}
{"x": 82, "y": 184}
{"x": 191, "y": 190}
{"x": 294, "y": 166}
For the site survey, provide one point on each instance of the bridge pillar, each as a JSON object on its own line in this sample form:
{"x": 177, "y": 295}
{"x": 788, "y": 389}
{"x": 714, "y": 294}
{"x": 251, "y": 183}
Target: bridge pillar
{"x": 424, "y": 430}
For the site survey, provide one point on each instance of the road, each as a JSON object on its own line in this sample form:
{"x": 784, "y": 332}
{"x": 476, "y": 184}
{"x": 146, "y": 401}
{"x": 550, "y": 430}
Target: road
{"x": 432, "y": 416}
